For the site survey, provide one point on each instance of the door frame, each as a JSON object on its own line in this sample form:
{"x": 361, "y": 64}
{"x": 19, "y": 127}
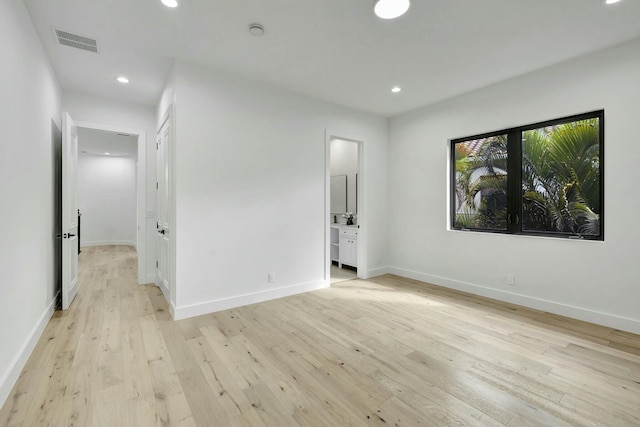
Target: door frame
{"x": 360, "y": 203}
{"x": 141, "y": 189}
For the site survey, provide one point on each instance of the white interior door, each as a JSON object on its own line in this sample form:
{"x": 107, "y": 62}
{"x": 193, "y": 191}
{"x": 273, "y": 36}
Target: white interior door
{"x": 162, "y": 205}
{"x": 69, "y": 210}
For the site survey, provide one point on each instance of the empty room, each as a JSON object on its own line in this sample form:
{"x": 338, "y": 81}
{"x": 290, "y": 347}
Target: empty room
{"x": 319, "y": 213}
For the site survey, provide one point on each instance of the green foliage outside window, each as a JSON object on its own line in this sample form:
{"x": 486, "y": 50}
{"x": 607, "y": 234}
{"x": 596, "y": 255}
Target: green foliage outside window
{"x": 558, "y": 165}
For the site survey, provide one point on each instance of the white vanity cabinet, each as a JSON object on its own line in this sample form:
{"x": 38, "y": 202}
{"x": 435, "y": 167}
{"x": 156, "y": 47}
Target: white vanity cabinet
{"x": 335, "y": 243}
{"x": 348, "y": 245}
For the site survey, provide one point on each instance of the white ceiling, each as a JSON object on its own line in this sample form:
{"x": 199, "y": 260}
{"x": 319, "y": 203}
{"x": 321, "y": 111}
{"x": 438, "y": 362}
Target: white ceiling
{"x": 98, "y": 142}
{"x": 336, "y": 50}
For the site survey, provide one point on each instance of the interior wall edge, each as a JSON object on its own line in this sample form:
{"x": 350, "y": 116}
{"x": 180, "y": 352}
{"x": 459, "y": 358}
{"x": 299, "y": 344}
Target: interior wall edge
{"x": 554, "y": 307}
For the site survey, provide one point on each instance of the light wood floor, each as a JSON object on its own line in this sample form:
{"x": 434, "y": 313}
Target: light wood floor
{"x": 383, "y": 352}
{"x": 341, "y": 274}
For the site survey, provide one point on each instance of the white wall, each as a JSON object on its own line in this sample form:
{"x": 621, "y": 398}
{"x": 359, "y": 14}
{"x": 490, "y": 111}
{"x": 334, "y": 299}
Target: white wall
{"x": 595, "y": 281}
{"x": 107, "y": 200}
{"x": 95, "y": 109}
{"x": 344, "y": 161}
{"x": 167, "y": 98}
{"x": 30, "y": 100}
{"x": 250, "y": 189}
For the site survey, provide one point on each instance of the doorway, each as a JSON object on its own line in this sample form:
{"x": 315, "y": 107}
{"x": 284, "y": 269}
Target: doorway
{"x": 127, "y": 150}
{"x": 344, "y": 219}
{"x": 107, "y": 163}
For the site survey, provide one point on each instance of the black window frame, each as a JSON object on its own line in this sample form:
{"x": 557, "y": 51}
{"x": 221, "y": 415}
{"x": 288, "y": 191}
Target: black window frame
{"x": 514, "y": 177}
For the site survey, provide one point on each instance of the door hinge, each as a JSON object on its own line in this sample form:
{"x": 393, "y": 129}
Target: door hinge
{"x": 157, "y": 186}
{"x": 156, "y": 264}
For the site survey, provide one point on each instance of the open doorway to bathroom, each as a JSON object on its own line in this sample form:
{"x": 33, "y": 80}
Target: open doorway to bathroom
{"x": 344, "y": 171}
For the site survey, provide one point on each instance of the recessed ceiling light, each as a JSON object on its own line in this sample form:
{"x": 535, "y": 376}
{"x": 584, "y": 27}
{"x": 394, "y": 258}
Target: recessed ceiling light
{"x": 389, "y": 9}
{"x": 122, "y": 79}
{"x": 396, "y": 89}
{"x": 106, "y": 154}
{"x": 611, "y": 1}
{"x": 170, "y": 3}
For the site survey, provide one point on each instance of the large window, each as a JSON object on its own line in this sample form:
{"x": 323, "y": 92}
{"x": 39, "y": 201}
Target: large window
{"x": 540, "y": 179}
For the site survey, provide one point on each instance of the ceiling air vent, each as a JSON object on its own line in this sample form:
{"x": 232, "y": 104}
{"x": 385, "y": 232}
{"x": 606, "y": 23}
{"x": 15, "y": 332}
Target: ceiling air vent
{"x": 67, "y": 38}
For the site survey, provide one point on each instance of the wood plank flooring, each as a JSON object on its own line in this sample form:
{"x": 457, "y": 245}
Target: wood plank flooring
{"x": 381, "y": 352}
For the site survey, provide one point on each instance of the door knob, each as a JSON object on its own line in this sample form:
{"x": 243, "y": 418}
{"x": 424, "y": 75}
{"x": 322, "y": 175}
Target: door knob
{"x": 68, "y": 235}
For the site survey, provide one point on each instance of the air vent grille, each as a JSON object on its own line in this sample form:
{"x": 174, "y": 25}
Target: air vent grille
{"x": 66, "y": 38}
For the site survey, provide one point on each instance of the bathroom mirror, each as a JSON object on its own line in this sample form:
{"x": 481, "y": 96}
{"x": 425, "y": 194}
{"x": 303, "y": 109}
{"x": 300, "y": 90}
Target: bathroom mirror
{"x": 338, "y": 194}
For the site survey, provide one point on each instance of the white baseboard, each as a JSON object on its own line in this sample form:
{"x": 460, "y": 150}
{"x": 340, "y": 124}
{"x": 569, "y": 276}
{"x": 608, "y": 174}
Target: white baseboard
{"x": 109, "y": 243}
{"x": 579, "y": 313}
{"x": 246, "y": 299}
{"x": 149, "y": 278}
{"x": 376, "y": 272}
{"x": 12, "y": 373}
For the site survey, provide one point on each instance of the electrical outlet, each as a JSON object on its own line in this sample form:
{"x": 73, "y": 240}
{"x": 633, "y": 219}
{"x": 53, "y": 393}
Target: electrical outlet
{"x": 511, "y": 279}
{"x": 271, "y": 277}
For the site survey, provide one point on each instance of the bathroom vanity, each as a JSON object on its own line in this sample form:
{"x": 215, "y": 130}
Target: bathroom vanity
{"x": 344, "y": 244}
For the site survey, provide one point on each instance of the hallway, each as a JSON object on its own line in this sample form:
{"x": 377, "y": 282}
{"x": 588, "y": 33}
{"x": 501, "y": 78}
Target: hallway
{"x": 90, "y": 365}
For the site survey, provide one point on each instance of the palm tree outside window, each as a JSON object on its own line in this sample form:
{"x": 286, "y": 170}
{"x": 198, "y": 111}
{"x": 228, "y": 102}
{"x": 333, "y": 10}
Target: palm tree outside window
{"x": 540, "y": 179}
